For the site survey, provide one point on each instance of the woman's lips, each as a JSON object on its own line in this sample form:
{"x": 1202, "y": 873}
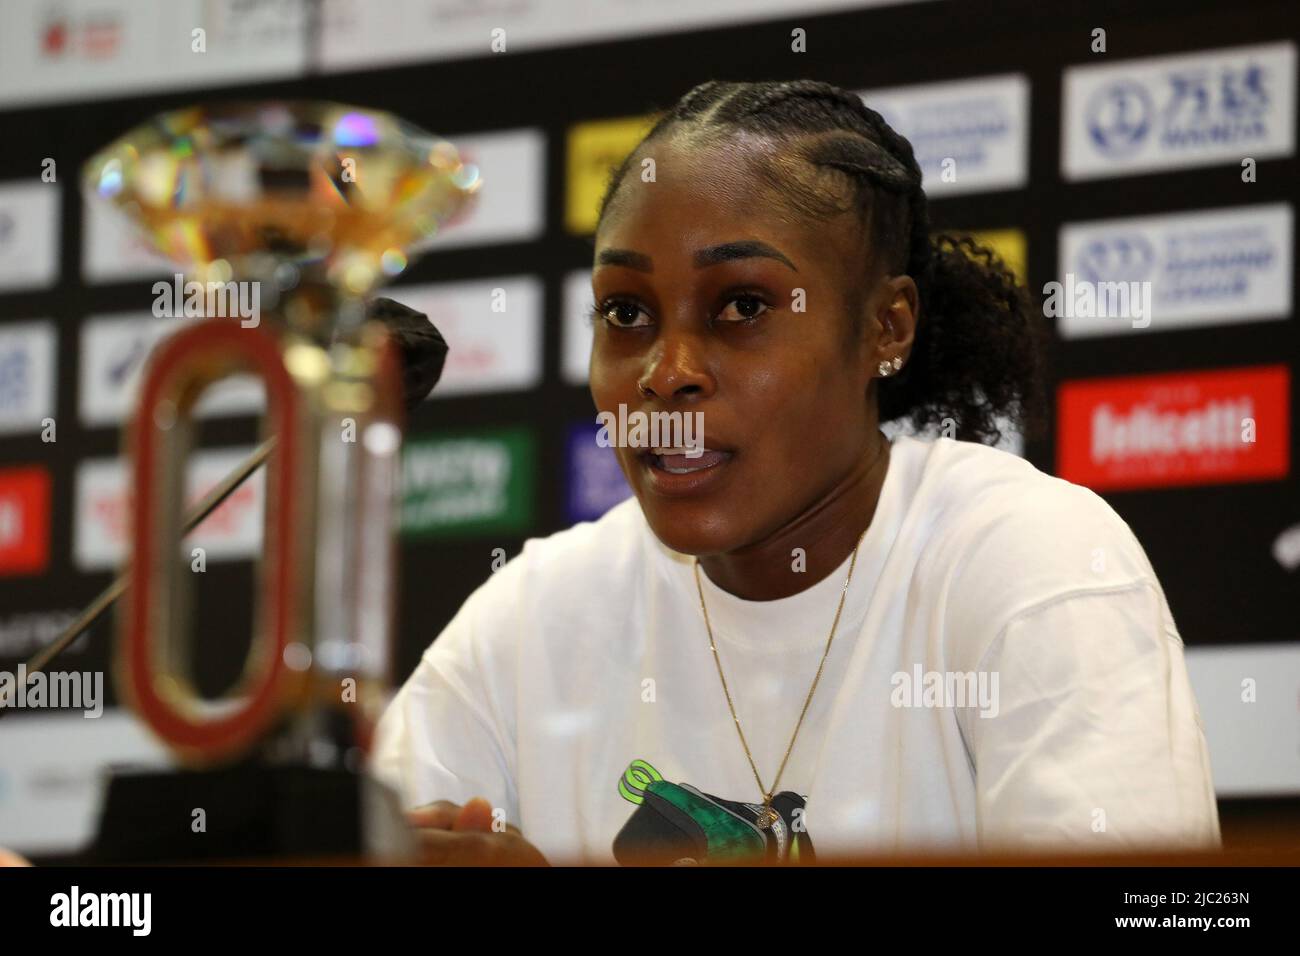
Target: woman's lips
{"x": 681, "y": 462}
{"x": 673, "y": 472}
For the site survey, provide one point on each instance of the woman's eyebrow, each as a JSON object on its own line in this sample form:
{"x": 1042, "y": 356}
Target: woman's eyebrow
{"x": 726, "y": 252}
{"x": 627, "y": 258}
{"x": 746, "y": 249}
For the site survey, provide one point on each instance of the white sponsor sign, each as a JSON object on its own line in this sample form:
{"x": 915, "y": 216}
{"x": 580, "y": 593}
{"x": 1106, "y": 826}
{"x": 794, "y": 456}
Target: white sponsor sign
{"x": 511, "y": 207}
{"x": 576, "y": 330}
{"x": 1205, "y": 268}
{"x": 1247, "y": 699}
{"x": 113, "y": 353}
{"x": 361, "y": 33}
{"x": 29, "y": 235}
{"x": 101, "y": 532}
{"x": 1197, "y": 109}
{"x": 84, "y": 49}
{"x": 55, "y": 771}
{"x": 968, "y": 135}
{"x": 493, "y": 329}
{"x": 112, "y": 251}
{"x": 27, "y": 372}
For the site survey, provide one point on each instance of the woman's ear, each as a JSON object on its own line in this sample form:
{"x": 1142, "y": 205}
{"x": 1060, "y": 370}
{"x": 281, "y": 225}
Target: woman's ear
{"x": 897, "y": 315}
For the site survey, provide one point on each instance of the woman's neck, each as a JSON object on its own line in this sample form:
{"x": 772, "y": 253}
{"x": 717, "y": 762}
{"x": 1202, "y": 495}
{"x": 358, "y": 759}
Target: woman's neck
{"x": 826, "y": 534}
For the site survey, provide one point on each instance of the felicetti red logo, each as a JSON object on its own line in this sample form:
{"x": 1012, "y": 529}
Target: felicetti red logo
{"x": 24, "y": 520}
{"x": 1184, "y": 428}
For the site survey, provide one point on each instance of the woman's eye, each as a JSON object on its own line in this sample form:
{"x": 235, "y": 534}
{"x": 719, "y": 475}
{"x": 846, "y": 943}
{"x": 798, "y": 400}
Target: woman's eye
{"x": 623, "y": 314}
{"x": 627, "y": 314}
{"x": 743, "y": 308}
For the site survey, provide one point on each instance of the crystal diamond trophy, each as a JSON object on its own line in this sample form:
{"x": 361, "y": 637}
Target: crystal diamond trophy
{"x": 301, "y": 208}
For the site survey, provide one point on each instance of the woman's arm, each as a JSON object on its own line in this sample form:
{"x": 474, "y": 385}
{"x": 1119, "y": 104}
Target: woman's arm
{"x": 446, "y": 742}
{"x": 1096, "y": 743}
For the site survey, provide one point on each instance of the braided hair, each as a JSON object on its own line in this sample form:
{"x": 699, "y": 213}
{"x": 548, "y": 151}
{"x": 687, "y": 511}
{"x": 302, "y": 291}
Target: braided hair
{"x": 977, "y": 354}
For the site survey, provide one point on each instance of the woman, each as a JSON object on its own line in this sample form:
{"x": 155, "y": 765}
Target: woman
{"x": 807, "y": 639}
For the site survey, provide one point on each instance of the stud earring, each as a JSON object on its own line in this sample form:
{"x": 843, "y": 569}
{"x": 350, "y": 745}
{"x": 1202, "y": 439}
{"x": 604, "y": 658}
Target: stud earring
{"x": 885, "y": 369}
{"x": 898, "y": 362}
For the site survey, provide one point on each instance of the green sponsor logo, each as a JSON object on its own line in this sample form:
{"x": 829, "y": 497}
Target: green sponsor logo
{"x": 473, "y": 483}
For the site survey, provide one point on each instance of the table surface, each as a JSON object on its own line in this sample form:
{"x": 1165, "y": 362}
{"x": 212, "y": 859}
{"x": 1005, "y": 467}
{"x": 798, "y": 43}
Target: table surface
{"x": 1259, "y": 846}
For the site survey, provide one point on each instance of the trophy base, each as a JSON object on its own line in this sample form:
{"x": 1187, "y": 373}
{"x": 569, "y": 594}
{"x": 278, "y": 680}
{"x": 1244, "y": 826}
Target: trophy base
{"x": 247, "y": 812}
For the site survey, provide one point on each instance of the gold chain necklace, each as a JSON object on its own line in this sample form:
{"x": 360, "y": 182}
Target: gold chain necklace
{"x": 770, "y": 816}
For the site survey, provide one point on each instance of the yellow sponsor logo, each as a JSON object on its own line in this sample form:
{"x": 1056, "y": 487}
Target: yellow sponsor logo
{"x": 594, "y": 151}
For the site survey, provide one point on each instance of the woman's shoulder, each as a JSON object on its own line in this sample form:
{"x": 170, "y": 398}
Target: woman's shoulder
{"x": 591, "y": 560}
{"x": 1010, "y": 533}
{"x": 552, "y": 593}
{"x": 969, "y": 486}
{"x": 614, "y": 539}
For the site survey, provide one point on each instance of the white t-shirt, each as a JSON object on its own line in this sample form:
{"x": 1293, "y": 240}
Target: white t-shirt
{"x": 1006, "y": 672}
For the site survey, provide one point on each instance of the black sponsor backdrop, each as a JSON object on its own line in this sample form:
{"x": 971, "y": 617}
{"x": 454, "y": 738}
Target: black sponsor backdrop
{"x": 1210, "y": 545}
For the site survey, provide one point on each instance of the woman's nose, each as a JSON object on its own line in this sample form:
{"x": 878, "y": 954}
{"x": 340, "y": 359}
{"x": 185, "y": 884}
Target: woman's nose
{"x": 676, "y": 369}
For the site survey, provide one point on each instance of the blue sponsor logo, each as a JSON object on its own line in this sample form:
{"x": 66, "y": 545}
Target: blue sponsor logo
{"x": 1120, "y": 258}
{"x": 1188, "y": 265}
{"x": 1213, "y": 265}
{"x": 126, "y": 358}
{"x": 1198, "y": 107}
{"x": 15, "y": 378}
{"x": 595, "y": 480}
{"x": 967, "y": 132}
{"x": 1120, "y": 117}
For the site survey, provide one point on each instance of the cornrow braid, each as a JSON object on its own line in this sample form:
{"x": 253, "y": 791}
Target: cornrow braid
{"x": 976, "y": 358}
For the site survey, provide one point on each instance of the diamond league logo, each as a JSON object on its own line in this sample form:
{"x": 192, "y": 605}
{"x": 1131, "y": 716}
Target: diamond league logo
{"x": 1120, "y": 258}
{"x": 1119, "y": 117}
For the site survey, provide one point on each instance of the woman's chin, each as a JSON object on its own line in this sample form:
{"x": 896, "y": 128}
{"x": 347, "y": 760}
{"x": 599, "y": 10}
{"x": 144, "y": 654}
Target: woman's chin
{"x": 693, "y": 530}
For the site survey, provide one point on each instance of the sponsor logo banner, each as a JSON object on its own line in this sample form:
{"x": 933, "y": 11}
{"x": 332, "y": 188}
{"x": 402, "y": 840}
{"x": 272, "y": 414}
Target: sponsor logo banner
{"x": 513, "y": 206}
{"x": 111, "y": 250}
{"x": 1205, "y": 268}
{"x": 968, "y": 135}
{"x": 593, "y": 151}
{"x": 1179, "y": 111}
{"x": 496, "y": 328}
{"x": 29, "y": 235}
{"x": 27, "y": 369}
{"x": 103, "y": 502}
{"x": 113, "y": 353}
{"x": 361, "y": 33}
{"x": 24, "y": 520}
{"x": 1182, "y": 428}
{"x": 1247, "y": 700}
{"x": 55, "y": 772}
{"x": 474, "y": 483}
{"x": 595, "y": 480}
{"x": 575, "y": 328}
{"x": 83, "y": 49}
